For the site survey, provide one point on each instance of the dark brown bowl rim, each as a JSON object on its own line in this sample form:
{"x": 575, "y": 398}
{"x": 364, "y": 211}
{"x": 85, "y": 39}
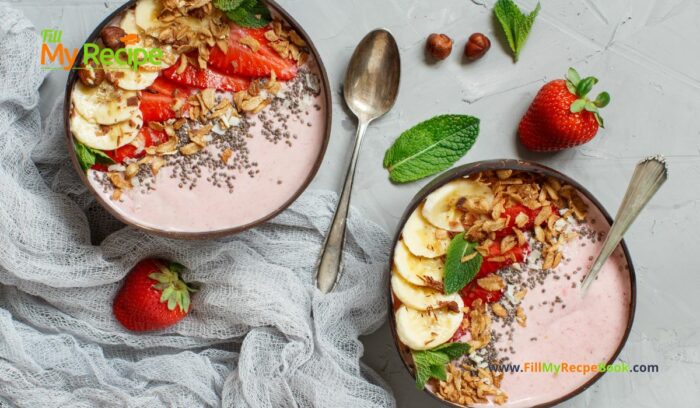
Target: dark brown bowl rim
{"x": 504, "y": 164}
{"x": 73, "y": 75}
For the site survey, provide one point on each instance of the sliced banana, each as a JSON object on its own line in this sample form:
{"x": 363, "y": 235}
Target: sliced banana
{"x": 422, "y": 238}
{"x": 419, "y": 297}
{"x": 146, "y": 15}
{"x": 104, "y": 104}
{"x": 105, "y": 137}
{"x": 130, "y": 80}
{"x": 440, "y": 207}
{"x": 415, "y": 269}
{"x": 422, "y": 330}
{"x": 128, "y": 22}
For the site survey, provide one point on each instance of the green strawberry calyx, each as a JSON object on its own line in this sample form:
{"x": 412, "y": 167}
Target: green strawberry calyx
{"x": 581, "y": 87}
{"x": 174, "y": 290}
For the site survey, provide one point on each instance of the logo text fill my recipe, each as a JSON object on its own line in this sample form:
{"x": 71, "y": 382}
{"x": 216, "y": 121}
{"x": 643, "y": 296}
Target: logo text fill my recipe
{"x": 564, "y": 367}
{"x": 54, "y": 55}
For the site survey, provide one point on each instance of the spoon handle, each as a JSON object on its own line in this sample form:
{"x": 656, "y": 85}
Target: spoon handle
{"x": 328, "y": 271}
{"x": 648, "y": 176}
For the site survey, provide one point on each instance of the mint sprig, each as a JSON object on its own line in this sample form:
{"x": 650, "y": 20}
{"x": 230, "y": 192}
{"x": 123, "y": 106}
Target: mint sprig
{"x": 88, "y": 157}
{"x": 516, "y": 24}
{"x": 430, "y": 147}
{"x": 245, "y": 13}
{"x": 431, "y": 363}
{"x": 581, "y": 88}
{"x": 461, "y": 263}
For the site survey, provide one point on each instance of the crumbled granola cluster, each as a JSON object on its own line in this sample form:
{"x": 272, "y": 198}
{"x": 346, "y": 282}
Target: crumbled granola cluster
{"x": 468, "y": 385}
{"x": 483, "y": 219}
{"x": 189, "y": 25}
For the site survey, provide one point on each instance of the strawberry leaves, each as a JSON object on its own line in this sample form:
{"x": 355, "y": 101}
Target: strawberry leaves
{"x": 516, "y": 25}
{"x": 581, "y": 87}
{"x": 174, "y": 291}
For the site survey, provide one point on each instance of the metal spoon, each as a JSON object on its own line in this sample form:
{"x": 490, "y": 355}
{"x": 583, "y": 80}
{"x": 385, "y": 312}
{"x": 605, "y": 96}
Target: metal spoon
{"x": 370, "y": 90}
{"x": 648, "y": 176}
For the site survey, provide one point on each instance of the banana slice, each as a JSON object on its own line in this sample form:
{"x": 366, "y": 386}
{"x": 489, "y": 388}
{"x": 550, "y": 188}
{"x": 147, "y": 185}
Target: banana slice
{"x": 105, "y": 137}
{"x": 440, "y": 207}
{"x": 421, "y": 330}
{"x": 422, "y": 238}
{"x": 419, "y": 297}
{"x": 131, "y": 80}
{"x": 104, "y": 104}
{"x": 146, "y": 15}
{"x": 414, "y": 269}
{"x": 128, "y": 22}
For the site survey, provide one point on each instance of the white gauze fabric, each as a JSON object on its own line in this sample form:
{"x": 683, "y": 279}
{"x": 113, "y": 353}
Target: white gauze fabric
{"x": 259, "y": 334}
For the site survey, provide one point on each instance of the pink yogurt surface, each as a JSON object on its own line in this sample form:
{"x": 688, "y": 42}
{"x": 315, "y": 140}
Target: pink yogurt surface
{"x": 283, "y": 171}
{"x": 586, "y": 331}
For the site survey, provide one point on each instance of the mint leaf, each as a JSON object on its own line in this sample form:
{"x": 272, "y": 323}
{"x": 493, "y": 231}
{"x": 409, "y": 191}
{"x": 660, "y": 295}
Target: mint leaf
{"x": 84, "y": 155}
{"x": 430, "y": 147}
{"x": 431, "y": 363}
{"x": 87, "y": 156}
{"x": 250, "y": 13}
{"x": 227, "y": 5}
{"x": 458, "y": 272}
{"x": 453, "y": 350}
{"x": 516, "y": 25}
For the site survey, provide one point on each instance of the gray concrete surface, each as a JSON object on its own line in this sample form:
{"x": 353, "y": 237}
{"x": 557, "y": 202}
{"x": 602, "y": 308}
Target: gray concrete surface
{"x": 645, "y": 54}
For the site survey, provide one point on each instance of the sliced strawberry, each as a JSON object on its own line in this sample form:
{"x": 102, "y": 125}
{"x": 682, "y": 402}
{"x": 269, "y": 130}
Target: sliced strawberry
{"x": 151, "y": 138}
{"x": 156, "y": 107}
{"x": 206, "y": 78}
{"x": 473, "y": 291}
{"x": 239, "y": 59}
{"x": 163, "y": 86}
{"x": 511, "y": 214}
{"x": 517, "y": 252}
{"x": 123, "y": 153}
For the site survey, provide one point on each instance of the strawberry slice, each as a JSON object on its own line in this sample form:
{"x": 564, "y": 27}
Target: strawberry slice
{"x": 156, "y": 107}
{"x": 511, "y": 214}
{"x": 239, "y": 59}
{"x": 517, "y": 252}
{"x": 206, "y": 78}
{"x": 473, "y": 291}
{"x": 163, "y": 86}
{"x": 150, "y": 136}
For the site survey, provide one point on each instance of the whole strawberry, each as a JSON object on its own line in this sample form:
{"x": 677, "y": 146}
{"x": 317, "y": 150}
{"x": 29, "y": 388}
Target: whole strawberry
{"x": 561, "y": 116}
{"x": 153, "y": 296}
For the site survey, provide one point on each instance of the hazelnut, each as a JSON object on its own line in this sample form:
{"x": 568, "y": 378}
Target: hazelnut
{"x": 91, "y": 75}
{"x": 111, "y": 36}
{"x": 477, "y": 46}
{"x": 439, "y": 46}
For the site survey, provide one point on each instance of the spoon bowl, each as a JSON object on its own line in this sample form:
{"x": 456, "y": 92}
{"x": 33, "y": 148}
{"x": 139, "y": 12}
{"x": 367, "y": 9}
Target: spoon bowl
{"x": 373, "y": 75}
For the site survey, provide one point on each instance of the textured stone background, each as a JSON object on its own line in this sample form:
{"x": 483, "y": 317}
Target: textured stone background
{"x": 645, "y": 53}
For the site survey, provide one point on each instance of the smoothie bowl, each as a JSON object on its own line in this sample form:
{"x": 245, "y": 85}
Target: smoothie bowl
{"x": 190, "y": 123}
{"x": 484, "y": 287}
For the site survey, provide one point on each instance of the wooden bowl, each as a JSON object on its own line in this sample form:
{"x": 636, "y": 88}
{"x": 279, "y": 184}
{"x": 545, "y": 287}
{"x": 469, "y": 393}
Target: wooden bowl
{"x": 73, "y": 76}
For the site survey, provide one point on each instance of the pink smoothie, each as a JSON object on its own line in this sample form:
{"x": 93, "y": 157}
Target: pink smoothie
{"x": 585, "y": 331}
{"x": 283, "y": 170}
